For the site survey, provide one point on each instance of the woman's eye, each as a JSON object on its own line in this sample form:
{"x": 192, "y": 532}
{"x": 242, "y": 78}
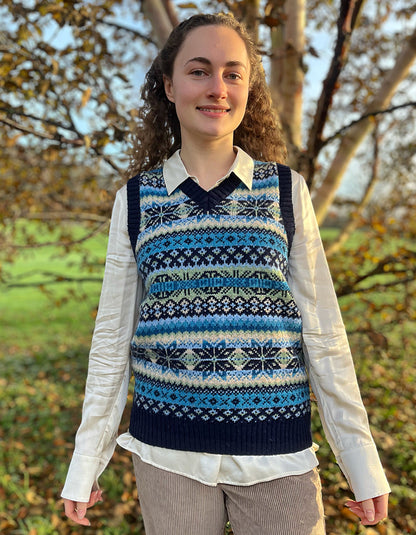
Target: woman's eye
{"x": 198, "y": 72}
{"x": 234, "y": 76}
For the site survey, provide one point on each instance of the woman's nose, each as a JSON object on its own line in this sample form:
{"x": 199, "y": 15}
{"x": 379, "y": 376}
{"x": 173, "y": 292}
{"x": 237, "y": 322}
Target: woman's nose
{"x": 217, "y": 87}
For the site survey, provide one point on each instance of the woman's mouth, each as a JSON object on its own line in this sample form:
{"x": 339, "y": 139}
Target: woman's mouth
{"x": 213, "y": 110}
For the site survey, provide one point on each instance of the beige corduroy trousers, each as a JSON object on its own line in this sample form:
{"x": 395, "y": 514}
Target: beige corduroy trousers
{"x": 172, "y": 504}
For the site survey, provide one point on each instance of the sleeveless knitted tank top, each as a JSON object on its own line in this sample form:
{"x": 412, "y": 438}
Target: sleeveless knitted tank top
{"x": 217, "y": 355}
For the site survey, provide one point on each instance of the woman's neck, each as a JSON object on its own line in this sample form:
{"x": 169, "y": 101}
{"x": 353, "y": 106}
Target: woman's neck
{"x": 208, "y": 162}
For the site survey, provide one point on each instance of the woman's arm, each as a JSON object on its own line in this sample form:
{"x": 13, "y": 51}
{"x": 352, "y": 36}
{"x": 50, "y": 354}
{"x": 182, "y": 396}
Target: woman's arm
{"x": 109, "y": 366}
{"x": 328, "y": 357}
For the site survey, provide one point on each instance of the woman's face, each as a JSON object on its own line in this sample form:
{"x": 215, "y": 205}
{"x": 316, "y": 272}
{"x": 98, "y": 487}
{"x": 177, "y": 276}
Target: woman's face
{"x": 210, "y": 84}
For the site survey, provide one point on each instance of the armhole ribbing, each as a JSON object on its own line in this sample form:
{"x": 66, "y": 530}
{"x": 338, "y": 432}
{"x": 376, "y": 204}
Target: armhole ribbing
{"x": 286, "y": 203}
{"x": 133, "y": 211}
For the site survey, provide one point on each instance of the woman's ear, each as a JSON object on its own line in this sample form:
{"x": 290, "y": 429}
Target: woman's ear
{"x": 167, "y": 82}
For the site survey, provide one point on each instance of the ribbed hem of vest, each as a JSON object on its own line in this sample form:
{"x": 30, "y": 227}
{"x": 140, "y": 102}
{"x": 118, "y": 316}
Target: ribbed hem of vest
{"x": 259, "y": 438}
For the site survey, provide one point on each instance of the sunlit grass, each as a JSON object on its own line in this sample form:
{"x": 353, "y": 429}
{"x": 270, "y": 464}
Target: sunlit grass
{"x": 38, "y": 315}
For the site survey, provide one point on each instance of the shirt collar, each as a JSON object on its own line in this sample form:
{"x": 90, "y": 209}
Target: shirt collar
{"x": 174, "y": 171}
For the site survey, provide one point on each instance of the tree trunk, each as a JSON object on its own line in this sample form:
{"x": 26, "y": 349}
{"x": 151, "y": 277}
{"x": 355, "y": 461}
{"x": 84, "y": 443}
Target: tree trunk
{"x": 354, "y": 137}
{"x": 251, "y": 18}
{"x": 157, "y": 13}
{"x": 287, "y": 73}
{"x": 354, "y": 221}
{"x": 171, "y": 12}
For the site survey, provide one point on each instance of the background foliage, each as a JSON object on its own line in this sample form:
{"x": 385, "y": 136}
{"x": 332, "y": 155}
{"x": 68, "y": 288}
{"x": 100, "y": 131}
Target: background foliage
{"x": 69, "y": 78}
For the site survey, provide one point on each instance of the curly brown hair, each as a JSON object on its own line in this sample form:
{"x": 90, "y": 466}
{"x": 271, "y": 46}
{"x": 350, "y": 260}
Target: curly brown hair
{"x": 157, "y": 135}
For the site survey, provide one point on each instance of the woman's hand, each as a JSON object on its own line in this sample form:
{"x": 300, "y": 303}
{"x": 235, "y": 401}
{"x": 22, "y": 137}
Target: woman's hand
{"x": 76, "y": 510}
{"x": 370, "y": 511}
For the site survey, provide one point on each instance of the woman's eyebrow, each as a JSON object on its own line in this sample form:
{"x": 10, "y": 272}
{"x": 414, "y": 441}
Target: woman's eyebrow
{"x": 206, "y": 61}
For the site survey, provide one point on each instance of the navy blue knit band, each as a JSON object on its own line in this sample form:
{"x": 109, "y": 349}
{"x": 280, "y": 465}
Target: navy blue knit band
{"x": 133, "y": 210}
{"x": 286, "y": 203}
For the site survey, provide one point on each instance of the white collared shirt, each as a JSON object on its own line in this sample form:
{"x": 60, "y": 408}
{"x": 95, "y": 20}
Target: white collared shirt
{"x": 327, "y": 353}
{"x": 174, "y": 171}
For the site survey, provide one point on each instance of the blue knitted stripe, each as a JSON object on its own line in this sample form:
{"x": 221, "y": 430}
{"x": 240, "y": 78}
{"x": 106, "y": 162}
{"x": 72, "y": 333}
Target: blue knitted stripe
{"x": 217, "y": 322}
{"x": 213, "y": 282}
{"x": 213, "y": 238}
{"x": 223, "y": 399}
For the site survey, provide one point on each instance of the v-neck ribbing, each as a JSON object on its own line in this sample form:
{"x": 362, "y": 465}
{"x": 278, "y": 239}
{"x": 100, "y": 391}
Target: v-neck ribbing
{"x": 207, "y": 200}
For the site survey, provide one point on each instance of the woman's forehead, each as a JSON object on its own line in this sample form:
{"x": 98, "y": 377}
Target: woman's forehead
{"x": 214, "y": 43}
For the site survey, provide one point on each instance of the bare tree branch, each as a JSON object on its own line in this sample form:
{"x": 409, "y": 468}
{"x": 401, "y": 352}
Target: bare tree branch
{"x": 349, "y": 12}
{"x": 376, "y": 288}
{"x": 389, "y": 262}
{"x": 78, "y": 142}
{"x": 64, "y": 216}
{"x": 58, "y": 279}
{"x": 100, "y": 228}
{"x": 51, "y": 137}
{"x": 375, "y": 113}
{"x": 107, "y": 160}
{"x": 127, "y": 29}
{"x": 10, "y": 111}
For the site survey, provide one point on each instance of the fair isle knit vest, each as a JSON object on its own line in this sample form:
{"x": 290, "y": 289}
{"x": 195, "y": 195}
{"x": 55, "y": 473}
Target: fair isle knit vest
{"x": 217, "y": 355}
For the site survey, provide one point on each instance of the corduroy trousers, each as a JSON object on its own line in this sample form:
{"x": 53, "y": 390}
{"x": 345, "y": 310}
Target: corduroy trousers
{"x": 172, "y": 504}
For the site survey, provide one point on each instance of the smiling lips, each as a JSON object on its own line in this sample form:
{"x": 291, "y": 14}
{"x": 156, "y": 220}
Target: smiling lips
{"x": 213, "y": 110}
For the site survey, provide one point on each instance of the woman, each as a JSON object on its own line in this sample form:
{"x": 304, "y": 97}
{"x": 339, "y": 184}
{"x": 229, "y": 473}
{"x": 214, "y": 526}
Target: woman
{"x": 226, "y": 312}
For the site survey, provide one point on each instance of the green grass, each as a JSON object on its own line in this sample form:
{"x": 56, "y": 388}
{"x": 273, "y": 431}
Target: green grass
{"x": 51, "y": 317}
{"x": 44, "y": 344}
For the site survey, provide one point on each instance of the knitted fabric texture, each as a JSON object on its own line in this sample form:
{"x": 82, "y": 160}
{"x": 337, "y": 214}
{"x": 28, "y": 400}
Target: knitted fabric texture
{"x": 217, "y": 355}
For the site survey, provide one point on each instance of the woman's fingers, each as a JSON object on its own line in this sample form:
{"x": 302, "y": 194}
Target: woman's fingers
{"x": 81, "y": 510}
{"x": 363, "y": 510}
{"x": 96, "y": 496}
{"x": 370, "y": 511}
{"x": 76, "y": 511}
{"x": 381, "y": 504}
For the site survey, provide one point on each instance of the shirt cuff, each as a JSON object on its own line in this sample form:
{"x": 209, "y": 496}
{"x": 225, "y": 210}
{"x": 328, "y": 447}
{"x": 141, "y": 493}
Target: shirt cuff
{"x": 364, "y": 472}
{"x": 82, "y": 477}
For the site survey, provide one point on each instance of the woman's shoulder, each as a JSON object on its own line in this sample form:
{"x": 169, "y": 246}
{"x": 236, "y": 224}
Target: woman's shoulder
{"x": 268, "y": 168}
{"x": 150, "y": 177}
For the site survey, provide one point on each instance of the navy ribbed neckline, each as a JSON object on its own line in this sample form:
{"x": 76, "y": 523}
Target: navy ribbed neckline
{"x": 207, "y": 200}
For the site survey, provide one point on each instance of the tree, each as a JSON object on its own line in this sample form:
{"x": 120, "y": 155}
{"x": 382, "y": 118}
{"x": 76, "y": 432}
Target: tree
{"x": 68, "y": 90}
{"x": 68, "y": 95}
{"x": 69, "y": 78}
